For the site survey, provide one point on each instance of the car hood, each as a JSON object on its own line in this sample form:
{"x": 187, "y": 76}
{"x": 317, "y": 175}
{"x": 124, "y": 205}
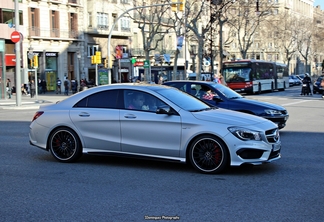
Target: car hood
{"x": 229, "y": 117}
{"x": 261, "y": 105}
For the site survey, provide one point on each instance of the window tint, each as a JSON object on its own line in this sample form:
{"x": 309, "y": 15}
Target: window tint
{"x": 104, "y": 99}
{"x": 137, "y": 100}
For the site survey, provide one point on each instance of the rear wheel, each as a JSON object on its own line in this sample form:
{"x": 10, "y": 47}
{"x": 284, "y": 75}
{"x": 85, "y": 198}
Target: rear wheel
{"x": 65, "y": 145}
{"x": 208, "y": 154}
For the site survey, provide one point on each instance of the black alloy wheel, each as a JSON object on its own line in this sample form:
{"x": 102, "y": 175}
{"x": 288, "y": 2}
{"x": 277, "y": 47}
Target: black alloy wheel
{"x": 208, "y": 154}
{"x": 65, "y": 145}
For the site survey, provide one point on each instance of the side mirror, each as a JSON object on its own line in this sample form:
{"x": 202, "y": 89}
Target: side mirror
{"x": 165, "y": 110}
{"x": 217, "y": 99}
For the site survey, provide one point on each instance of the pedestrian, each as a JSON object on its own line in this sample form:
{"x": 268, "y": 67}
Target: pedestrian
{"x": 215, "y": 78}
{"x": 66, "y": 86}
{"x": 221, "y": 79}
{"x": 39, "y": 85}
{"x": 32, "y": 88}
{"x": 8, "y": 88}
{"x": 322, "y": 84}
{"x": 58, "y": 86}
{"x": 74, "y": 86}
{"x": 44, "y": 86}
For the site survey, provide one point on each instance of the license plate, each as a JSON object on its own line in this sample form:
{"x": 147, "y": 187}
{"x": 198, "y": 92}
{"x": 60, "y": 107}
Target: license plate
{"x": 276, "y": 147}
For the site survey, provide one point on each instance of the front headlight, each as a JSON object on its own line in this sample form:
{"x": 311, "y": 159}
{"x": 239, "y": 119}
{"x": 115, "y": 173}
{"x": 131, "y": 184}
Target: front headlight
{"x": 272, "y": 112}
{"x": 245, "y": 134}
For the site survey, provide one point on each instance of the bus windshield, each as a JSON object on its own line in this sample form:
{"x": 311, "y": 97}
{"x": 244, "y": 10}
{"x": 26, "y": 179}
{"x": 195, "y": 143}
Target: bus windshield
{"x": 237, "y": 74}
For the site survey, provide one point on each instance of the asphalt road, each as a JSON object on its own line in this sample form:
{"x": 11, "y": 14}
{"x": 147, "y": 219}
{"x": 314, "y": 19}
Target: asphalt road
{"x": 35, "y": 187}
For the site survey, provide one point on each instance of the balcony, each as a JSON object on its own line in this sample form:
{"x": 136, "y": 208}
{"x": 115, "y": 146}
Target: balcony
{"x": 53, "y": 34}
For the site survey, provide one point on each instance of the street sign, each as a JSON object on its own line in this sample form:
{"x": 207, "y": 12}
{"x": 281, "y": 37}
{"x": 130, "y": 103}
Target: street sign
{"x": 15, "y": 37}
{"x": 146, "y": 63}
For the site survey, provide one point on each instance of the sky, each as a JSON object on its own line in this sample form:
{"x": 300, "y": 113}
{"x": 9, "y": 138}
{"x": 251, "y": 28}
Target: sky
{"x": 319, "y": 2}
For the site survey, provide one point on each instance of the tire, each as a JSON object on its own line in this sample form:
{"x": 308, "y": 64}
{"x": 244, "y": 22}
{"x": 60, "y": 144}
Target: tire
{"x": 208, "y": 154}
{"x": 65, "y": 145}
{"x": 259, "y": 89}
{"x": 272, "y": 88}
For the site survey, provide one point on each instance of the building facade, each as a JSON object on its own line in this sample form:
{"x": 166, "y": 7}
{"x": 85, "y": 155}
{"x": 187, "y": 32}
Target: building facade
{"x": 65, "y": 34}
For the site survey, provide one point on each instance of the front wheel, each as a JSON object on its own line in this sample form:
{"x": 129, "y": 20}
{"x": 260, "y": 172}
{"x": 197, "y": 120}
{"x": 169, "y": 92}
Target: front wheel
{"x": 208, "y": 154}
{"x": 65, "y": 145}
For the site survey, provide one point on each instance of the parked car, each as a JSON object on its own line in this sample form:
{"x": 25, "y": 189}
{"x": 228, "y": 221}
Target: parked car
{"x": 226, "y": 98}
{"x": 292, "y": 81}
{"x": 301, "y": 76}
{"x": 297, "y": 81}
{"x": 317, "y": 88}
{"x": 153, "y": 121}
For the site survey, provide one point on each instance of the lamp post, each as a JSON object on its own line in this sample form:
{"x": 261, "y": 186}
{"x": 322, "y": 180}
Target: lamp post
{"x": 193, "y": 54}
{"x": 79, "y": 68}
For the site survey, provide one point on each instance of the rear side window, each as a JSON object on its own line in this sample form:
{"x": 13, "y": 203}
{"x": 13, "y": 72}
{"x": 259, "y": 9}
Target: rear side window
{"x": 104, "y": 99}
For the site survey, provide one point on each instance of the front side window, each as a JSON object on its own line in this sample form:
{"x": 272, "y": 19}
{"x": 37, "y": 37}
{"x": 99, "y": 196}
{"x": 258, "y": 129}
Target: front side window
{"x": 137, "y": 100}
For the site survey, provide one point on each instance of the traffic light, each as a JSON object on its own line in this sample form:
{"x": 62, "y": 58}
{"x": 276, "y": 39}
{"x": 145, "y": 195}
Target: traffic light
{"x": 98, "y": 57}
{"x": 182, "y": 5}
{"x": 35, "y": 60}
{"x": 106, "y": 63}
{"x": 93, "y": 59}
{"x": 174, "y": 7}
{"x": 31, "y": 62}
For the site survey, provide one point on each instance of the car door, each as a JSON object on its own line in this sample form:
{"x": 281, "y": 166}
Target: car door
{"x": 145, "y": 132}
{"x": 97, "y": 119}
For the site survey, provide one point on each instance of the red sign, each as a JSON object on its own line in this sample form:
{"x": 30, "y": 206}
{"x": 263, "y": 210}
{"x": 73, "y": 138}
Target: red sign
{"x": 10, "y": 59}
{"x": 119, "y": 52}
{"x": 139, "y": 64}
{"x": 15, "y": 36}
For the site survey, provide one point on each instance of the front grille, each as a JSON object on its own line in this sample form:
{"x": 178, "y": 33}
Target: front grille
{"x": 272, "y": 135}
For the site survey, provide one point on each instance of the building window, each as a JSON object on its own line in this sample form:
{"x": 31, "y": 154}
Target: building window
{"x": 102, "y": 20}
{"x": 125, "y": 24}
{"x": 114, "y": 17}
{"x": 90, "y": 19}
{"x": 34, "y": 23}
{"x": 7, "y": 16}
{"x": 73, "y": 25}
{"x": 92, "y": 49}
{"x": 124, "y": 1}
{"x": 55, "y": 23}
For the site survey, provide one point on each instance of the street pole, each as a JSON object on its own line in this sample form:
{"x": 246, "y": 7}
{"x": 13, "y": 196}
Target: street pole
{"x": 17, "y": 48}
{"x": 113, "y": 26}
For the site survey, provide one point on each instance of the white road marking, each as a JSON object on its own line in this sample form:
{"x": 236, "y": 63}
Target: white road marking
{"x": 297, "y": 102}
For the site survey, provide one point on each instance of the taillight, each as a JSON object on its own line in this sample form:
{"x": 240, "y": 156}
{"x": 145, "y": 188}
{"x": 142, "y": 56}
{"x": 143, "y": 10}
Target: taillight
{"x": 37, "y": 114}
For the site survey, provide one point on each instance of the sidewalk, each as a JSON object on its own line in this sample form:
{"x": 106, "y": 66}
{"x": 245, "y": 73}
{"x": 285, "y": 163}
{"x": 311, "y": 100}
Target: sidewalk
{"x": 31, "y": 103}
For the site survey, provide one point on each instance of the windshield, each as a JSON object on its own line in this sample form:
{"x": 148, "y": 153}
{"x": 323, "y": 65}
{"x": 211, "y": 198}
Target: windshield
{"x": 183, "y": 100}
{"x": 236, "y": 74}
{"x": 225, "y": 91}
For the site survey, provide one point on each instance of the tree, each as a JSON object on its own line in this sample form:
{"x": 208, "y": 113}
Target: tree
{"x": 153, "y": 23}
{"x": 245, "y": 21}
{"x": 304, "y": 40}
{"x": 283, "y": 25}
